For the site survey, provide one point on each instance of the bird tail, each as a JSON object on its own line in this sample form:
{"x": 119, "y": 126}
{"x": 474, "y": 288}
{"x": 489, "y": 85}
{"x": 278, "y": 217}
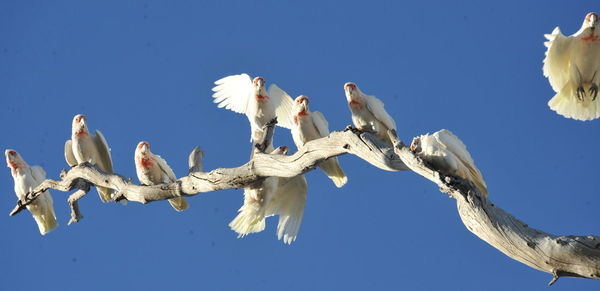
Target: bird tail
{"x": 179, "y": 204}
{"x": 251, "y": 219}
{"x": 332, "y": 168}
{"x": 568, "y": 105}
{"x": 44, "y": 215}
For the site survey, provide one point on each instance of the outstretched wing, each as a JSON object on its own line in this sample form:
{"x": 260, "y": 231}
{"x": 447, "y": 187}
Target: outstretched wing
{"x": 233, "y": 92}
{"x": 104, "y": 159}
{"x": 282, "y": 103}
{"x": 320, "y": 123}
{"x": 69, "y": 157}
{"x": 169, "y": 175}
{"x": 377, "y": 108}
{"x": 556, "y": 63}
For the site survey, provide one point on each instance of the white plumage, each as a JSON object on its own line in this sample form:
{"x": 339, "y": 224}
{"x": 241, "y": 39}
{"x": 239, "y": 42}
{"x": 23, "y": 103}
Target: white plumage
{"x": 306, "y": 126}
{"x": 572, "y": 65}
{"x": 368, "y": 113}
{"x": 285, "y": 197}
{"x": 26, "y": 179}
{"x": 151, "y": 169}
{"x": 243, "y": 95}
{"x": 83, "y": 147}
{"x": 448, "y": 154}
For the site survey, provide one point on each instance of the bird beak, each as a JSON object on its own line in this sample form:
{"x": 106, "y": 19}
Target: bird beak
{"x": 593, "y": 20}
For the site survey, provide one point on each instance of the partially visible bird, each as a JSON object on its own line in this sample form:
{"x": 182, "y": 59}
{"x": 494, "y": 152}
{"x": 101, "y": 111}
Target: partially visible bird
{"x": 248, "y": 96}
{"x": 368, "y": 113}
{"x": 285, "y": 197}
{"x": 84, "y": 147}
{"x": 572, "y": 65}
{"x": 26, "y": 179}
{"x": 448, "y": 154}
{"x": 151, "y": 170}
{"x": 306, "y": 126}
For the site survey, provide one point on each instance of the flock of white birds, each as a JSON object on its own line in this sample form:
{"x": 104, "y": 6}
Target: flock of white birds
{"x": 571, "y": 65}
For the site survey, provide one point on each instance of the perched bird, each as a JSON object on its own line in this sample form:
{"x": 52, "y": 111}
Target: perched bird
{"x": 285, "y": 197}
{"x": 151, "y": 169}
{"x": 368, "y": 113}
{"x": 572, "y": 65}
{"x": 449, "y": 155}
{"x": 26, "y": 179}
{"x": 84, "y": 147}
{"x": 306, "y": 126}
{"x": 241, "y": 94}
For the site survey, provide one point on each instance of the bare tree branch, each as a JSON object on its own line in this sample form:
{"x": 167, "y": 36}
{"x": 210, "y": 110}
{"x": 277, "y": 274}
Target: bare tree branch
{"x": 575, "y": 256}
{"x": 561, "y": 256}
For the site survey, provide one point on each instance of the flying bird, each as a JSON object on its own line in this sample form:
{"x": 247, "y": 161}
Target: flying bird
{"x": 285, "y": 197}
{"x": 572, "y": 65}
{"x": 368, "y": 113}
{"x": 448, "y": 154}
{"x": 26, "y": 179}
{"x": 306, "y": 126}
{"x": 248, "y": 96}
{"x": 151, "y": 170}
{"x": 84, "y": 147}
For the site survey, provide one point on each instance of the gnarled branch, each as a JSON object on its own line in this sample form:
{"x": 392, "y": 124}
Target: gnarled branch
{"x": 575, "y": 256}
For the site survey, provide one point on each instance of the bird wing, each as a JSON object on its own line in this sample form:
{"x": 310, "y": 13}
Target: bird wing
{"x": 466, "y": 168}
{"x": 69, "y": 157}
{"x": 39, "y": 175}
{"x": 168, "y": 174}
{"x": 377, "y": 108}
{"x": 104, "y": 159}
{"x": 282, "y": 103}
{"x": 233, "y": 92}
{"x": 556, "y": 63}
{"x": 320, "y": 123}
{"x": 290, "y": 203}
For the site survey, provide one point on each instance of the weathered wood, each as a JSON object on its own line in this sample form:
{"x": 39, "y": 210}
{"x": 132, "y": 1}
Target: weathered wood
{"x": 575, "y": 256}
{"x": 561, "y": 256}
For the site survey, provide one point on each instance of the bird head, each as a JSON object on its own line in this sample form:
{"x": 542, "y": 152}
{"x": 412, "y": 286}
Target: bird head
{"x": 14, "y": 160}
{"x": 79, "y": 125}
{"x": 143, "y": 148}
{"x": 259, "y": 89}
{"x": 353, "y": 93}
{"x": 282, "y": 150}
{"x": 300, "y": 106}
{"x": 415, "y": 145}
{"x": 591, "y": 20}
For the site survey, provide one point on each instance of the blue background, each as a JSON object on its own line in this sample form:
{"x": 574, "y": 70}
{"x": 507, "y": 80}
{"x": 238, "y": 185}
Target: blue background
{"x": 144, "y": 70}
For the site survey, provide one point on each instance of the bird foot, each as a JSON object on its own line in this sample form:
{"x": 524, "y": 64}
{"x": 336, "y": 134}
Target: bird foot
{"x": 593, "y": 91}
{"x": 352, "y": 128}
{"x": 580, "y": 93}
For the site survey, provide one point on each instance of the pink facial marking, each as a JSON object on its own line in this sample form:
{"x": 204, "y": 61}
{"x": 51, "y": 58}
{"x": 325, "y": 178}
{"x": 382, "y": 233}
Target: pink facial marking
{"x": 589, "y": 16}
{"x": 81, "y": 133}
{"x": 146, "y": 162}
{"x": 592, "y": 37}
{"x": 353, "y": 102}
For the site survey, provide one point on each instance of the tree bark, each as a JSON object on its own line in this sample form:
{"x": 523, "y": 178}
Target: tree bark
{"x": 575, "y": 256}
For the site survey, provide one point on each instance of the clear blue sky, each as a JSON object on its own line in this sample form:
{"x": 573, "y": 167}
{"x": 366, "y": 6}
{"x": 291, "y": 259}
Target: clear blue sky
{"x": 144, "y": 70}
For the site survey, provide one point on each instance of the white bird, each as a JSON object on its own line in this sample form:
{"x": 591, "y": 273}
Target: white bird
{"x": 368, "y": 113}
{"x": 243, "y": 95}
{"x": 26, "y": 179}
{"x": 448, "y": 154}
{"x": 151, "y": 170}
{"x": 572, "y": 65}
{"x": 307, "y": 126}
{"x": 285, "y": 197}
{"x": 84, "y": 147}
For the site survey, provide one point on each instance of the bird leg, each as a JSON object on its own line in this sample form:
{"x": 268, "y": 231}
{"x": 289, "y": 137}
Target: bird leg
{"x": 594, "y": 87}
{"x": 580, "y": 93}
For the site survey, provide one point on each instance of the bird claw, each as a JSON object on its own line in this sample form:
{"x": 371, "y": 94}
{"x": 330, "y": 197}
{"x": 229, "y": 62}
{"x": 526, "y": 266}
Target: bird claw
{"x": 352, "y": 128}
{"x": 580, "y": 93}
{"x": 594, "y": 91}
